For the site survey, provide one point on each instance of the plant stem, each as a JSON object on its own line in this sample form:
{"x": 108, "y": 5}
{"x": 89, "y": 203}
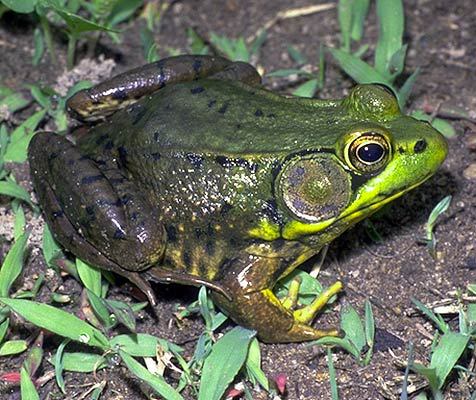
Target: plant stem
{"x": 45, "y": 25}
{"x": 72, "y": 39}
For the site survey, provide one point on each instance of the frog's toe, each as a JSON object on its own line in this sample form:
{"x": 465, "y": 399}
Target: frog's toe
{"x": 307, "y": 314}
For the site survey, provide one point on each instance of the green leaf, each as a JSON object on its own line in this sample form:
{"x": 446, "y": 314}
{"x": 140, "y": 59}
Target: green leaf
{"x": 101, "y": 310}
{"x": 369, "y": 330}
{"x": 437, "y": 320}
{"x": 123, "y": 313}
{"x": 156, "y": 382}
{"x": 13, "y": 347}
{"x": 447, "y": 353}
{"x": 298, "y": 57}
{"x": 404, "y": 92}
{"x": 122, "y": 11}
{"x": 142, "y": 344}
{"x": 397, "y": 62}
{"x": 442, "y": 126}
{"x": 90, "y": 276}
{"x": 332, "y": 375}
{"x": 391, "y": 24}
{"x": 281, "y": 73}
{"x": 19, "y": 226}
{"x": 359, "y": 13}
{"x": 59, "y": 365}
{"x": 353, "y": 327}
{"x": 253, "y": 365}
{"x": 13, "y": 264}
{"x": 27, "y": 388}
{"x": 13, "y": 189}
{"x": 58, "y": 321}
{"x": 258, "y": 43}
{"x": 77, "y": 24}
{"x": 359, "y": 70}
{"x": 21, "y": 6}
{"x": 14, "y": 102}
{"x": 39, "y": 45}
{"x": 345, "y": 343}
{"x": 21, "y": 137}
{"x": 3, "y": 329}
{"x": 307, "y": 89}
{"x": 81, "y": 362}
{"x": 226, "y": 359}
{"x": 51, "y": 250}
{"x": 428, "y": 373}
{"x": 344, "y": 15}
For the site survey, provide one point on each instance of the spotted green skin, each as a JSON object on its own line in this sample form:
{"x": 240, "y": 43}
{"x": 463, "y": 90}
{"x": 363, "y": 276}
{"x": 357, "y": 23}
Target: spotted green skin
{"x": 184, "y": 186}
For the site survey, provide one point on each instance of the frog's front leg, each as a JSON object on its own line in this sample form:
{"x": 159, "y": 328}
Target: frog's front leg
{"x": 113, "y": 94}
{"x": 249, "y": 280}
{"x": 94, "y": 210}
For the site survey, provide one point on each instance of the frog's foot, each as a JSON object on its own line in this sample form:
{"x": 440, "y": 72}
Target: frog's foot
{"x": 249, "y": 280}
{"x": 122, "y": 90}
{"x": 263, "y": 312}
{"x": 95, "y": 213}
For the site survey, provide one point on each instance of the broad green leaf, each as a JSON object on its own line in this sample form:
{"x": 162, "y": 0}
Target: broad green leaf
{"x": 353, "y": 327}
{"x": 82, "y": 362}
{"x": 253, "y": 364}
{"x": 391, "y": 25}
{"x": 281, "y": 73}
{"x": 58, "y": 321}
{"x": 428, "y": 373}
{"x": 21, "y": 137}
{"x": 101, "y": 310}
{"x": 123, "y": 10}
{"x": 3, "y": 329}
{"x": 123, "y": 313}
{"x": 13, "y": 347}
{"x": 142, "y": 344}
{"x": 344, "y": 15}
{"x": 13, "y": 264}
{"x": 436, "y": 318}
{"x": 13, "y": 189}
{"x": 51, "y": 250}
{"x": 14, "y": 102}
{"x": 442, "y": 126}
{"x": 156, "y": 382}
{"x": 77, "y": 24}
{"x": 90, "y": 276}
{"x": 225, "y": 360}
{"x": 19, "y": 226}
{"x": 359, "y": 70}
{"x": 447, "y": 353}
{"x": 359, "y": 13}
{"x": 307, "y": 89}
{"x": 397, "y": 62}
{"x": 27, "y": 388}
{"x": 345, "y": 343}
{"x": 21, "y": 6}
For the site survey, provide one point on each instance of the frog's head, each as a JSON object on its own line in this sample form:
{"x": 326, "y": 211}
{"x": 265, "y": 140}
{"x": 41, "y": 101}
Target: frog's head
{"x": 378, "y": 155}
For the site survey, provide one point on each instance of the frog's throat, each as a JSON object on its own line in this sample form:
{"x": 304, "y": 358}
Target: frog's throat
{"x": 296, "y": 229}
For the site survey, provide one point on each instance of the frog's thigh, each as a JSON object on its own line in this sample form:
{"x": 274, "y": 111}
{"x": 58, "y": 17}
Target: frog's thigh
{"x": 249, "y": 281}
{"x": 100, "y": 220}
{"x": 126, "y": 88}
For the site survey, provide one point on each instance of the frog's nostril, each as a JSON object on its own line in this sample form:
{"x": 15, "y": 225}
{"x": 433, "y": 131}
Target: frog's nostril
{"x": 420, "y": 146}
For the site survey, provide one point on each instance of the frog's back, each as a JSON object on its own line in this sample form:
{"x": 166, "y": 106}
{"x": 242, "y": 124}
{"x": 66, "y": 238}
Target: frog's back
{"x": 224, "y": 117}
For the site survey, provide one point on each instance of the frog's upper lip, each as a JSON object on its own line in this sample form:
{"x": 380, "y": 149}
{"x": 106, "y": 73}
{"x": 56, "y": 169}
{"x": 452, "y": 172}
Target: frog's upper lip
{"x": 386, "y": 199}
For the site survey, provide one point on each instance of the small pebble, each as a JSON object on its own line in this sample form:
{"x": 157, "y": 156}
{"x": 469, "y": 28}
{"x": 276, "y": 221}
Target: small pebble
{"x": 470, "y": 172}
{"x": 471, "y": 141}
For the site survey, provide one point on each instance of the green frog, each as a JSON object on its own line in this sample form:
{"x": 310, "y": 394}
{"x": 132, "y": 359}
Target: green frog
{"x": 194, "y": 173}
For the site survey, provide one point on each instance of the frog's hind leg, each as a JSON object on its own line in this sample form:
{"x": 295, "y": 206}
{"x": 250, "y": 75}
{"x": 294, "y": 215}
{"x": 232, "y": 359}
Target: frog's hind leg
{"x": 94, "y": 212}
{"x": 113, "y": 94}
{"x": 249, "y": 280}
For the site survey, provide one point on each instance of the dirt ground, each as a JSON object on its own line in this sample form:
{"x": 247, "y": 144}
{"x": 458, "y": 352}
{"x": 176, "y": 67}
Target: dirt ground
{"x": 442, "y": 41}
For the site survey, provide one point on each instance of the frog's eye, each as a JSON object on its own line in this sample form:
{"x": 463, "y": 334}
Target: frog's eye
{"x": 368, "y": 153}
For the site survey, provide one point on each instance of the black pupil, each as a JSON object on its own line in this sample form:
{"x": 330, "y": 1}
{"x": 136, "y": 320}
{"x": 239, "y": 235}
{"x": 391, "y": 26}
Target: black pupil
{"x": 370, "y": 153}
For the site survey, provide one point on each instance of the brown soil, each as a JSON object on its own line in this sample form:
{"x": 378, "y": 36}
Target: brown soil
{"x": 442, "y": 41}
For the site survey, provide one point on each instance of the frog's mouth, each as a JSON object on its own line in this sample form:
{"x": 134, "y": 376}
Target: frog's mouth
{"x": 365, "y": 211}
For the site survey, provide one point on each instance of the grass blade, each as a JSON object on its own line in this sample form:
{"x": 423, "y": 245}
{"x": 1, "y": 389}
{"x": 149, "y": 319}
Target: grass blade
{"x": 27, "y": 388}
{"x": 156, "y": 382}
{"x": 58, "y": 321}
{"x": 13, "y": 264}
{"x": 226, "y": 359}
